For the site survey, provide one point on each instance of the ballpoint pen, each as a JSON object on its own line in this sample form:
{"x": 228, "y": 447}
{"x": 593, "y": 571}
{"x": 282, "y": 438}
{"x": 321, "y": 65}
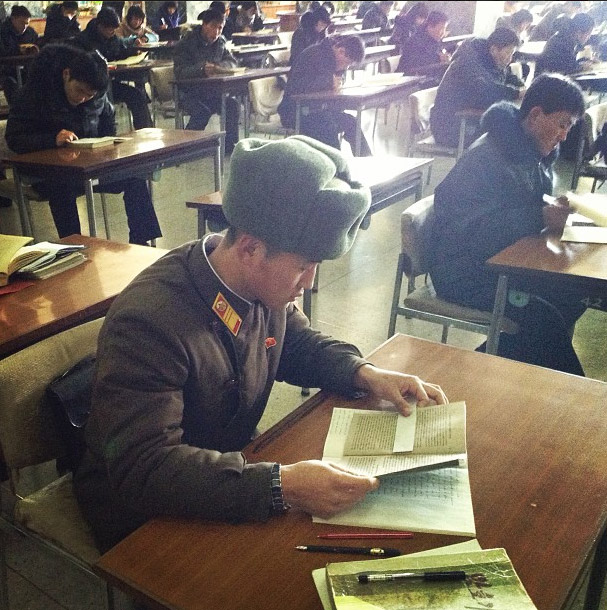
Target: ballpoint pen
{"x": 355, "y": 550}
{"x": 364, "y": 535}
{"x": 442, "y": 576}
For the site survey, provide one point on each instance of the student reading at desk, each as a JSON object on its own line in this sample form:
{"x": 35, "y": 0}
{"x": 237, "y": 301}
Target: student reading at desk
{"x": 320, "y": 68}
{"x": 65, "y": 99}
{"x": 377, "y": 17}
{"x": 61, "y": 22}
{"x": 243, "y": 17}
{"x": 201, "y": 53}
{"x": 312, "y": 30}
{"x": 100, "y": 35}
{"x": 167, "y": 20}
{"x": 492, "y": 198}
{"x": 133, "y": 29}
{"x": 190, "y": 350}
{"x": 16, "y": 38}
{"x": 477, "y": 77}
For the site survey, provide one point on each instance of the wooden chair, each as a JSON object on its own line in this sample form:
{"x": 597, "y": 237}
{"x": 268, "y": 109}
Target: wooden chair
{"x": 277, "y": 58}
{"x": 265, "y": 95}
{"x": 162, "y": 92}
{"x": 417, "y": 233}
{"x": 587, "y": 161}
{"x": 386, "y": 66}
{"x": 209, "y": 212}
{"x": 50, "y": 515}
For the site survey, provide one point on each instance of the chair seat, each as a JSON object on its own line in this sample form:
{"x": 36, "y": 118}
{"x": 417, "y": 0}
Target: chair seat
{"x": 53, "y": 513}
{"x": 425, "y": 299}
{"x": 271, "y": 125}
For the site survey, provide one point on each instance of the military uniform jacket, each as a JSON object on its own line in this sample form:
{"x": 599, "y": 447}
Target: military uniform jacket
{"x": 178, "y": 395}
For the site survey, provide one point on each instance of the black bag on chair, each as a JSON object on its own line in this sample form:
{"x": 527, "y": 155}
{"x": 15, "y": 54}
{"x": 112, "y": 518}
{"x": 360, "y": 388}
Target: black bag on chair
{"x": 70, "y": 398}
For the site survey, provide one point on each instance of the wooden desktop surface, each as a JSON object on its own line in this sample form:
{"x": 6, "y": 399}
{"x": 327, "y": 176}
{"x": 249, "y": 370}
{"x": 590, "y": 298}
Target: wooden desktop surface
{"x": 146, "y": 145}
{"x": 74, "y": 296}
{"x": 538, "y": 471}
{"x": 225, "y": 81}
{"x": 530, "y": 257}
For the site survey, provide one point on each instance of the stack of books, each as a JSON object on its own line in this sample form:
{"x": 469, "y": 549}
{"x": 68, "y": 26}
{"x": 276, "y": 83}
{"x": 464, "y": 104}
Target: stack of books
{"x": 420, "y": 460}
{"x": 456, "y": 577}
{"x": 37, "y": 261}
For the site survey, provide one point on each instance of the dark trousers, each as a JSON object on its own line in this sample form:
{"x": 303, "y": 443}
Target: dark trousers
{"x": 326, "y": 126}
{"x": 136, "y": 102}
{"x": 142, "y": 221}
{"x": 201, "y": 109}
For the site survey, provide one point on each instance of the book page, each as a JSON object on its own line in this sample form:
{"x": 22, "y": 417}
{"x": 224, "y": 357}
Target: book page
{"x": 591, "y": 205}
{"x": 436, "y": 501}
{"x": 320, "y": 575}
{"x": 585, "y": 234}
{"x": 441, "y": 429}
{"x": 129, "y": 61}
{"x": 9, "y": 246}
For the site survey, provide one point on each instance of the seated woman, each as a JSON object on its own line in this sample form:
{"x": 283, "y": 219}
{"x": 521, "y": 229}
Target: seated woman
{"x": 166, "y": 23}
{"x": 312, "y": 29}
{"x": 246, "y": 17}
{"x": 134, "y": 30}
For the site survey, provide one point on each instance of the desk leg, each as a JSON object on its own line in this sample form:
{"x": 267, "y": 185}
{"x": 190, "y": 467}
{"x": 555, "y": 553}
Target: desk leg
{"x": 21, "y": 205}
{"x": 359, "y": 132}
{"x": 297, "y": 117}
{"x": 598, "y": 574}
{"x": 419, "y": 186}
{"x": 90, "y": 206}
{"x": 493, "y": 337}
{"x": 218, "y": 167}
{"x": 20, "y": 76}
{"x": 246, "y": 102}
{"x": 222, "y": 123}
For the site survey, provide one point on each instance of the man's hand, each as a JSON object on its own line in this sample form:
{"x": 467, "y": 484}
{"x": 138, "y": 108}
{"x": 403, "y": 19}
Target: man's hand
{"x": 210, "y": 69}
{"x": 555, "y": 214}
{"x": 393, "y": 386}
{"x": 65, "y": 136}
{"x": 323, "y": 489}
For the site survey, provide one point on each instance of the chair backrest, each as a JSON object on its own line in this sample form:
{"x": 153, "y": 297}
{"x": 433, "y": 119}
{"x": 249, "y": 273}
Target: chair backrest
{"x": 28, "y": 435}
{"x": 266, "y": 95}
{"x": 594, "y": 119}
{"x": 277, "y": 58}
{"x": 160, "y": 80}
{"x": 417, "y": 235}
{"x": 420, "y": 104}
{"x": 285, "y": 38}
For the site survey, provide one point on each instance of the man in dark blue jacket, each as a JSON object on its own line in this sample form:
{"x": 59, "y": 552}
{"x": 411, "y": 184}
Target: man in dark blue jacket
{"x": 200, "y": 54}
{"x": 492, "y": 198}
{"x": 320, "y": 68}
{"x": 61, "y": 22}
{"x": 15, "y": 32}
{"x": 65, "y": 99}
{"x": 100, "y": 35}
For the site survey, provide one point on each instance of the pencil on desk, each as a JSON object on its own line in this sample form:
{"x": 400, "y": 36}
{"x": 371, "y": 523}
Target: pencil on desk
{"x": 364, "y": 535}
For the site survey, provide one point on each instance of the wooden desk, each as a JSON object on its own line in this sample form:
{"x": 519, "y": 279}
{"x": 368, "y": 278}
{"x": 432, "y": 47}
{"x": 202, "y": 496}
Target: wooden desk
{"x": 355, "y": 98}
{"x": 149, "y": 150}
{"x": 72, "y": 297}
{"x": 530, "y": 50}
{"x": 538, "y": 480}
{"x": 369, "y": 36}
{"x": 18, "y": 62}
{"x": 546, "y": 256}
{"x": 592, "y": 81}
{"x": 374, "y": 55}
{"x": 160, "y": 50}
{"x": 253, "y": 55}
{"x": 452, "y": 42}
{"x": 259, "y": 37}
{"x": 136, "y": 71}
{"x": 339, "y": 26}
{"x": 223, "y": 86}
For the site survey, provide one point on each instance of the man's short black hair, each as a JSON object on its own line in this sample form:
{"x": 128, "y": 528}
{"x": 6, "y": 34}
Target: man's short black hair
{"x": 20, "y": 11}
{"x": 212, "y": 15}
{"x": 70, "y": 6}
{"x": 521, "y": 16}
{"x": 329, "y": 7}
{"x": 582, "y": 22}
{"x": 217, "y": 5}
{"x": 503, "y": 37}
{"x": 134, "y": 12}
{"x": 434, "y": 18}
{"x": 353, "y": 46}
{"x": 248, "y": 5}
{"x": 168, "y": 5}
{"x": 553, "y": 93}
{"x": 108, "y": 17}
{"x": 89, "y": 68}
{"x": 320, "y": 14}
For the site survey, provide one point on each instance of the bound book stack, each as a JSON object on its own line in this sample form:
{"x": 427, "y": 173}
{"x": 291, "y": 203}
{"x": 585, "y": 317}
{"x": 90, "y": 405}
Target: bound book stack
{"x": 37, "y": 261}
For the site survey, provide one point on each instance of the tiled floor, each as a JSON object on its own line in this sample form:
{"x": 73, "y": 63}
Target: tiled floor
{"x": 352, "y": 303}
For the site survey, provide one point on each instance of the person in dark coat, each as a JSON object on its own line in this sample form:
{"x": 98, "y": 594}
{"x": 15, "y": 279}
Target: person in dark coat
{"x": 377, "y": 17}
{"x": 65, "y": 99}
{"x": 547, "y": 26}
{"x": 477, "y": 77}
{"x": 61, "y": 22}
{"x": 320, "y": 68}
{"x": 363, "y": 7}
{"x": 201, "y": 53}
{"x": 167, "y": 20}
{"x": 518, "y": 22}
{"x": 16, "y": 38}
{"x": 424, "y": 52}
{"x": 312, "y": 30}
{"x": 492, "y": 198}
{"x": 245, "y": 17}
{"x": 560, "y": 52}
{"x": 407, "y": 22}
{"x": 100, "y": 35}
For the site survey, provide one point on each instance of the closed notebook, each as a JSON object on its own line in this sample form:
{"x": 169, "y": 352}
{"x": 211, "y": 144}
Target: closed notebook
{"x": 97, "y": 142}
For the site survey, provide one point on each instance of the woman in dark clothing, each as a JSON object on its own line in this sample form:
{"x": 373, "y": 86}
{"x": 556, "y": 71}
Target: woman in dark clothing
{"x": 312, "y": 29}
{"x": 407, "y": 22}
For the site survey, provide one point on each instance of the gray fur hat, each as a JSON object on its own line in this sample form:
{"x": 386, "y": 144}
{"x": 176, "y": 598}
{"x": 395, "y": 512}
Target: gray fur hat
{"x": 296, "y": 195}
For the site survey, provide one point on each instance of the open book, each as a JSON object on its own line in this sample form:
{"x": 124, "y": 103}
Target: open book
{"x": 226, "y": 70}
{"x": 14, "y": 254}
{"x": 490, "y": 582}
{"x": 129, "y": 61}
{"x": 97, "y": 142}
{"x": 377, "y": 443}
